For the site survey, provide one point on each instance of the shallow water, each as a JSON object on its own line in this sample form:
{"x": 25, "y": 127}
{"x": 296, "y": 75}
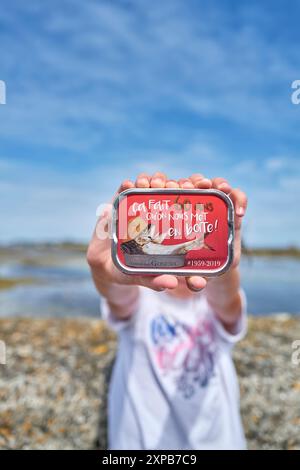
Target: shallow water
{"x": 271, "y": 284}
{"x": 65, "y": 288}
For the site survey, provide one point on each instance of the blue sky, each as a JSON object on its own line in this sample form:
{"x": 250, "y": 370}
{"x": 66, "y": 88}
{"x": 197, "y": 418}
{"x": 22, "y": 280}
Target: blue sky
{"x": 98, "y": 91}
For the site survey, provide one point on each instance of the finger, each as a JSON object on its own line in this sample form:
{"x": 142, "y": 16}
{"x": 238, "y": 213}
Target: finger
{"x": 196, "y": 283}
{"x": 158, "y": 180}
{"x": 196, "y": 177}
{"x": 204, "y": 183}
{"x": 239, "y": 200}
{"x": 126, "y": 184}
{"x": 143, "y": 181}
{"x": 160, "y": 174}
{"x": 159, "y": 283}
{"x": 185, "y": 183}
{"x": 172, "y": 184}
{"x": 221, "y": 184}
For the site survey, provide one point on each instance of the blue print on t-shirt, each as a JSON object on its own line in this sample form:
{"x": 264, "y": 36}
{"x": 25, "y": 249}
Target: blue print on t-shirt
{"x": 185, "y": 352}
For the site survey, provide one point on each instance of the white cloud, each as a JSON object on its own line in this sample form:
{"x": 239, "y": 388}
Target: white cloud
{"x": 292, "y": 184}
{"x": 272, "y": 218}
{"x": 276, "y": 163}
{"x": 246, "y": 168}
{"x": 59, "y": 206}
{"x": 87, "y": 77}
{"x": 107, "y": 65}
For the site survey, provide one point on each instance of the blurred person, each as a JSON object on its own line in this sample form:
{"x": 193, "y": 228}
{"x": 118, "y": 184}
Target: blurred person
{"x": 173, "y": 385}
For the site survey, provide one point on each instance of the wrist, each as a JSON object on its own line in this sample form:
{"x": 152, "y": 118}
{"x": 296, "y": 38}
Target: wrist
{"x": 223, "y": 296}
{"x": 122, "y": 299}
{"x": 123, "y": 303}
{"x": 228, "y": 279}
{"x": 230, "y": 314}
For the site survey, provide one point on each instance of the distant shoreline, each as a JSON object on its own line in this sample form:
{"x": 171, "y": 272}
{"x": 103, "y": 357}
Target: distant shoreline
{"x": 291, "y": 252}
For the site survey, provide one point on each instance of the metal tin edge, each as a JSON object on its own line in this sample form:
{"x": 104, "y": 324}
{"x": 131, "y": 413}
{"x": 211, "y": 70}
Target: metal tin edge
{"x": 175, "y": 272}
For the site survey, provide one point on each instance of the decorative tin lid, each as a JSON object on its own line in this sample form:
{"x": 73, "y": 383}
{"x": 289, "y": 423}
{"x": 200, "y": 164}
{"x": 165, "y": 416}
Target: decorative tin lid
{"x": 175, "y": 231}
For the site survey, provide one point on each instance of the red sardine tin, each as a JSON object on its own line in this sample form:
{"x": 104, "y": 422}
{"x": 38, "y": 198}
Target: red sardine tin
{"x": 173, "y": 231}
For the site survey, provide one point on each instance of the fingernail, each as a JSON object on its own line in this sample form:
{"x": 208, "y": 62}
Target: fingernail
{"x": 187, "y": 185}
{"x": 171, "y": 184}
{"x": 157, "y": 182}
{"x": 240, "y": 211}
{"x": 224, "y": 186}
{"x": 197, "y": 289}
{"x": 143, "y": 182}
{"x": 202, "y": 182}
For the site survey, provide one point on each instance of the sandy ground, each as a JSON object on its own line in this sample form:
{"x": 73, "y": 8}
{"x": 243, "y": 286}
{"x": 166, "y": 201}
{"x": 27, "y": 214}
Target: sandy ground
{"x": 53, "y": 387}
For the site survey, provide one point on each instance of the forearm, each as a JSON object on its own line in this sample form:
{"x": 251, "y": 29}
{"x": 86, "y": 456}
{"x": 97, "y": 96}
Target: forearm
{"x": 223, "y": 296}
{"x": 122, "y": 299}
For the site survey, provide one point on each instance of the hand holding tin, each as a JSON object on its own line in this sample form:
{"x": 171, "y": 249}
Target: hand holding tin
{"x": 239, "y": 200}
{"x": 119, "y": 288}
{"x": 104, "y": 272}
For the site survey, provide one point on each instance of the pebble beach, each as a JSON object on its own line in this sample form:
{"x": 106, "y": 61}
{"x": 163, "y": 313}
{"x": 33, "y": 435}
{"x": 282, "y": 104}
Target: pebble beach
{"x": 53, "y": 386}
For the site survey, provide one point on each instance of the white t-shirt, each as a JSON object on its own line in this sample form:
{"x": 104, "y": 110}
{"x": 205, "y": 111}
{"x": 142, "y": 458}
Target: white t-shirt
{"x": 174, "y": 385}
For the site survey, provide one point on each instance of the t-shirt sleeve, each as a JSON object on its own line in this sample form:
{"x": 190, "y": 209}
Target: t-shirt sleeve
{"x": 240, "y": 329}
{"x": 111, "y": 319}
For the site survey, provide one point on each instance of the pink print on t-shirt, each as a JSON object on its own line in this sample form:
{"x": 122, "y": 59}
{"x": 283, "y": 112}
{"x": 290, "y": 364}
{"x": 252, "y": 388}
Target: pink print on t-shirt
{"x": 185, "y": 352}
